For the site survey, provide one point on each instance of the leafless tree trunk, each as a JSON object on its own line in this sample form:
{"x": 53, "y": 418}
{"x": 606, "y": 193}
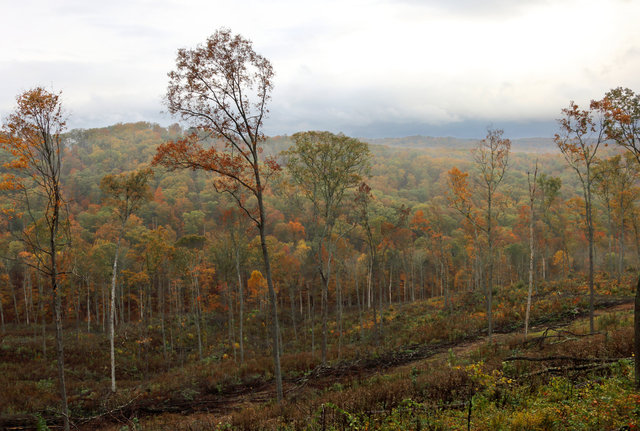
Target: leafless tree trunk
{"x": 112, "y": 316}
{"x": 532, "y": 195}
{"x": 636, "y": 326}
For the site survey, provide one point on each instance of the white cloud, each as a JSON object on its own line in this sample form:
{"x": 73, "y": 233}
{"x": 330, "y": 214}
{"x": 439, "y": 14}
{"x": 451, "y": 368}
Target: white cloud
{"x": 337, "y": 63}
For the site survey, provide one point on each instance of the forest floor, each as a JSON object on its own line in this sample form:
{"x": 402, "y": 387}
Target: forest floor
{"x": 362, "y": 391}
{"x": 213, "y": 411}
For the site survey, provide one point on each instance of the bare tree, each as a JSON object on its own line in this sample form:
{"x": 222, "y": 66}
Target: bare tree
{"x": 532, "y": 181}
{"x": 492, "y": 157}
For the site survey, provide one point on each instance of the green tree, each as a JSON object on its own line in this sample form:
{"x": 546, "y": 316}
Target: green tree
{"x": 326, "y": 166}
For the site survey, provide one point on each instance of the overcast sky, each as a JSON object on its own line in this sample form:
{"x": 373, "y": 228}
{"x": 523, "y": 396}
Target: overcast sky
{"x": 366, "y": 68}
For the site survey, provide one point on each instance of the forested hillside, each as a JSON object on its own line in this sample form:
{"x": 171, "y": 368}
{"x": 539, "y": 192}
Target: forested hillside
{"x": 408, "y": 254}
{"x": 424, "y": 245}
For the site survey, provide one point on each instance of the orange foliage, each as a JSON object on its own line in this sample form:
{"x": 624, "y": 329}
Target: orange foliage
{"x": 297, "y": 229}
{"x": 256, "y": 284}
{"x": 419, "y": 222}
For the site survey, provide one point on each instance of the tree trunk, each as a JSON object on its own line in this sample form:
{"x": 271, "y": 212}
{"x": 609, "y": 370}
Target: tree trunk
{"x": 15, "y": 302}
{"x": 57, "y": 300}
{"x": 476, "y": 259}
{"x": 4, "y": 331}
{"x": 24, "y": 293}
{"x": 162, "y": 307}
{"x": 57, "y": 304}
{"x": 532, "y": 195}
{"x": 240, "y": 306}
{"x": 530, "y": 291}
{"x": 636, "y": 231}
{"x": 292, "y": 300}
{"x": 609, "y": 261}
{"x": 104, "y": 306}
{"x": 590, "y": 237}
{"x": 339, "y": 313}
{"x": 373, "y": 300}
{"x": 198, "y": 313}
{"x": 325, "y": 316}
{"x": 412, "y": 271}
{"x": 369, "y": 275}
{"x": 390, "y": 282}
{"x": 78, "y": 317}
{"x": 230, "y": 321}
{"x": 275, "y": 331}
{"x": 490, "y": 269}
{"x": 311, "y": 319}
{"x": 360, "y": 302}
{"x": 42, "y": 318}
{"x": 621, "y": 262}
{"x": 636, "y": 344}
{"x": 88, "y": 306}
{"x": 112, "y": 316}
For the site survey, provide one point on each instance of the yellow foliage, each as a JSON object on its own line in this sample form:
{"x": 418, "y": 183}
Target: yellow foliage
{"x": 560, "y": 257}
{"x": 256, "y": 283}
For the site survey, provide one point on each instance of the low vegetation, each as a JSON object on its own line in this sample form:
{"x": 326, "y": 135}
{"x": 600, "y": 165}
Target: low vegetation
{"x": 429, "y": 365}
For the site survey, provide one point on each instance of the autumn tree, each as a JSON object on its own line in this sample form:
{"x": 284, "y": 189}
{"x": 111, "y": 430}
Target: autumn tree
{"x": 325, "y": 166}
{"x": 33, "y": 141}
{"x": 582, "y": 131}
{"x": 614, "y": 180}
{"x": 125, "y": 192}
{"x": 460, "y": 198}
{"x": 492, "y": 157}
{"x": 621, "y": 107}
{"x": 221, "y": 89}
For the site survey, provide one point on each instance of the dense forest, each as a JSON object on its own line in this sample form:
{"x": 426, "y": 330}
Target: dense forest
{"x": 396, "y": 284}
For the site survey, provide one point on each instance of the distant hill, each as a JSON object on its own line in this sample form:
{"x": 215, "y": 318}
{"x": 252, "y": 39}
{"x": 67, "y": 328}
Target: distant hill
{"x": 528, "y": 145}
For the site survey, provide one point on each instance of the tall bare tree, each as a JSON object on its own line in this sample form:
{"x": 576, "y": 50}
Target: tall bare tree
{"x": 221, "y": 89}
{"x": 492, "y": 157}
{"x": 532, "y": 181}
